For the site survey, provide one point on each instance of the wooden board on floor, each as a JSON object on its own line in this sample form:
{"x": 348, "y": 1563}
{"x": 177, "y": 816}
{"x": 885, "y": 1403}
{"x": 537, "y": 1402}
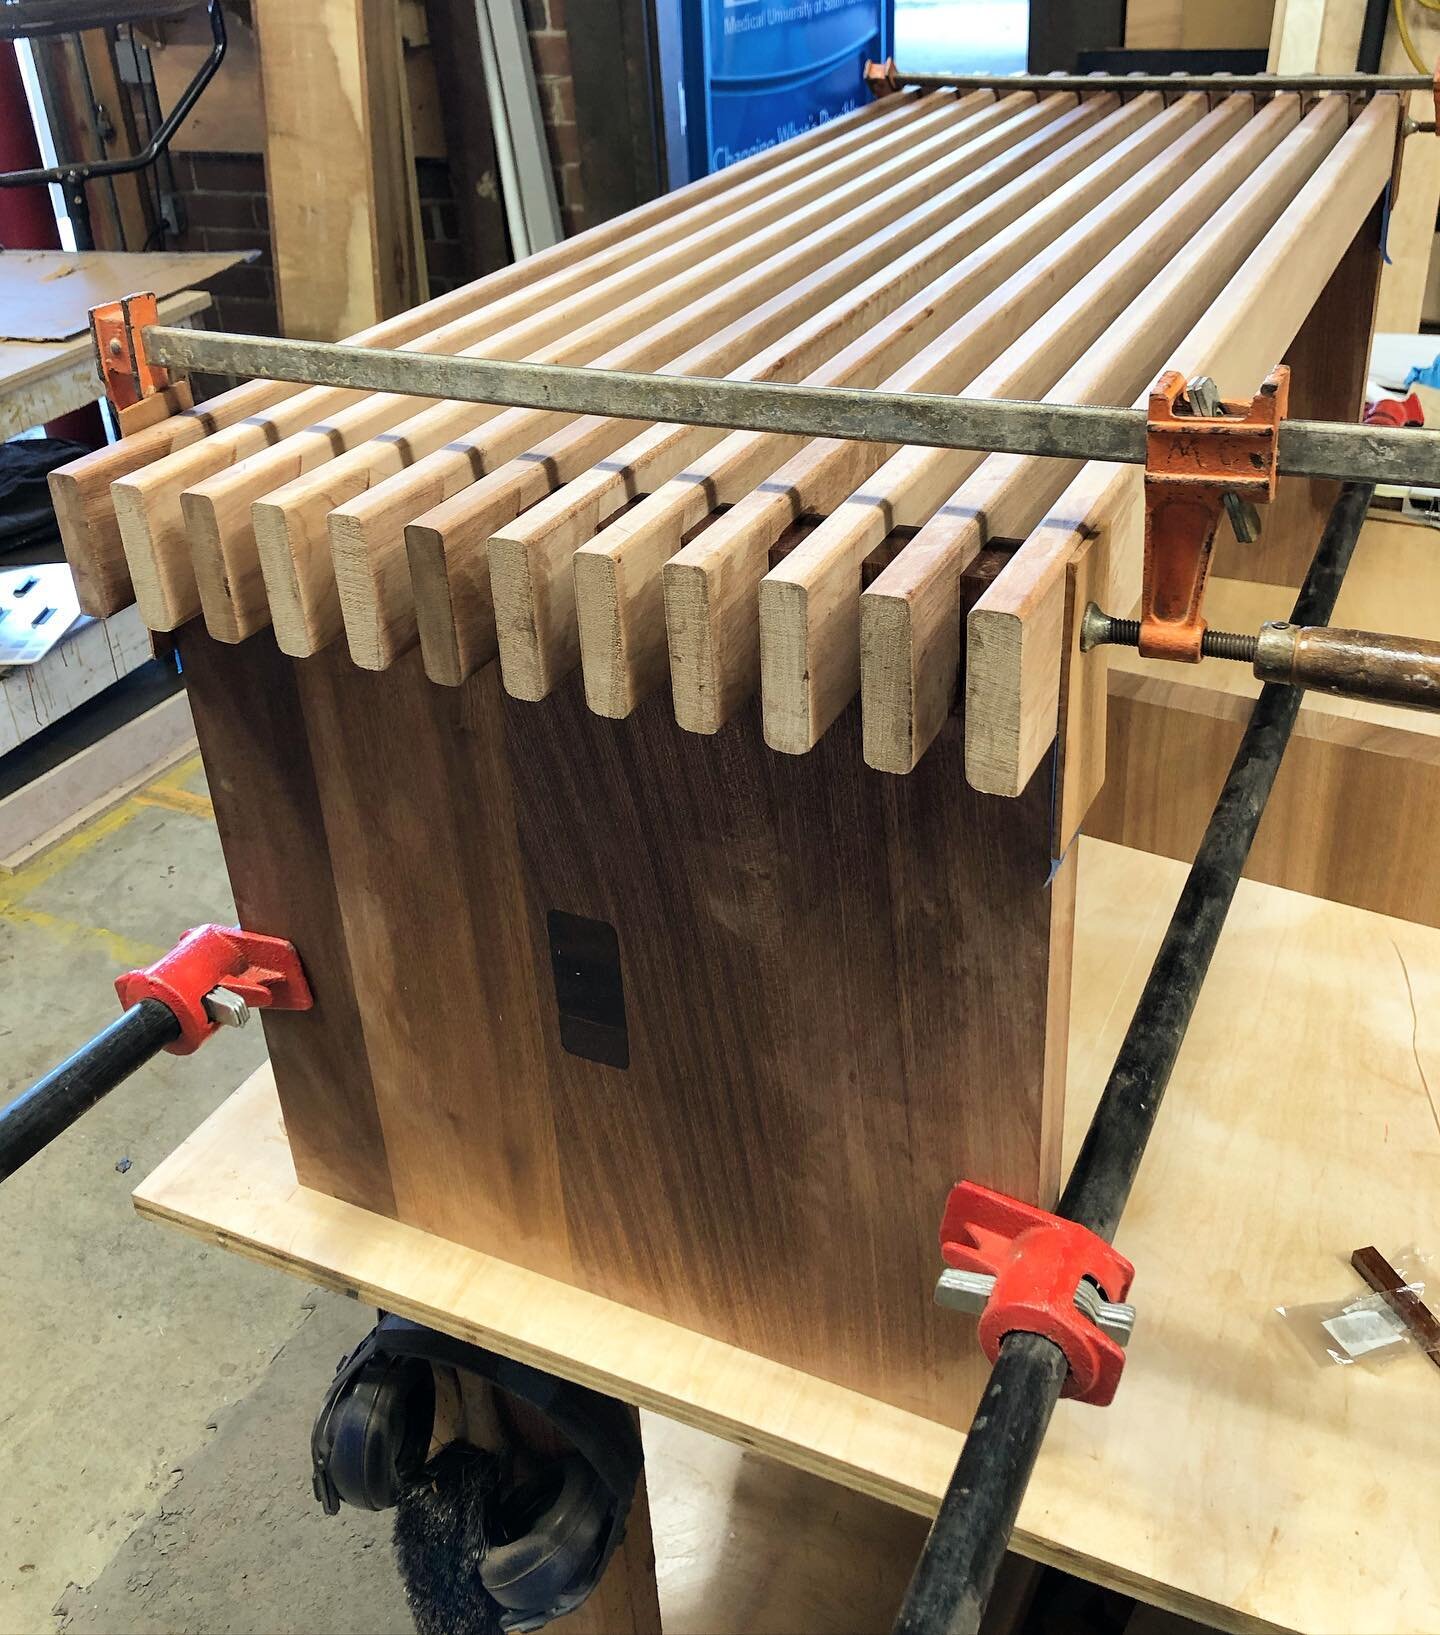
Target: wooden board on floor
{"x": 1223, "y": 1483}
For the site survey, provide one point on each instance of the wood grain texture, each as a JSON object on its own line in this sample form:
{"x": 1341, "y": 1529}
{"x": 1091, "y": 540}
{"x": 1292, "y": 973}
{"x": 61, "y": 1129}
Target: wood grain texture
{"x": 267, "y": 807}
{"x": 367, "y": 534}
{"x": 292, "y": 524}
{"x": 809, "y": 606}
{"x": 1201, "y": 1442}
{"x": 618, "y": 574}
{"x": 1350, "y": 816}
{"x": 175, "y": 578}
{"x": 1012, "y": 686}
{"x": 81, "y": 489}
{"x": 798, "y": 1013}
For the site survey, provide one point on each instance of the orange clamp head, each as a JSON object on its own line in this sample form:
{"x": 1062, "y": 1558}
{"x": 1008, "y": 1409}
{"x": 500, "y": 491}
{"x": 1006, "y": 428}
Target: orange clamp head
{"x": 128, "y": 374}
{"x": 1192, "y": 462}
{"x": 881, "y": 78}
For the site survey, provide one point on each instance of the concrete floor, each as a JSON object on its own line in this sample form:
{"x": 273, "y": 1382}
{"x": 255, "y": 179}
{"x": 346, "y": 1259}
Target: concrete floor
{"x": 159, "y": 1393}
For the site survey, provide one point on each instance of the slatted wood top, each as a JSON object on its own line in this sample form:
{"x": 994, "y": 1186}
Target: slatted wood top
{"x": 1026, "y": 245}
{"x": 1233, "y": 1479}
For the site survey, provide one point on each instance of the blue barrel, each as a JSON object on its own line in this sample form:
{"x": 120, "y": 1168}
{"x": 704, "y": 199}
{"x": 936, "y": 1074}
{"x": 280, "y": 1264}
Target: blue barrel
{"x": 775, "y": 68}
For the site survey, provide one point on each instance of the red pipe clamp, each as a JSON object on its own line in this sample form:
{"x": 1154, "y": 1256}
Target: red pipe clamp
{"x": 1038, "y": 1262}
{"x": 263, "y": 971}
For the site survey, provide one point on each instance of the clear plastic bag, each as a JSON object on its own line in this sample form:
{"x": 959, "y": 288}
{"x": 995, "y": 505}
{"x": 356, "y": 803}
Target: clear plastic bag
{"x": 1363, "y": 1328}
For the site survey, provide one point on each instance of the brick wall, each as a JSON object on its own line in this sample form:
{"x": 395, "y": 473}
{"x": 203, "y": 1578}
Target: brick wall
{"x": 550, "y": 49}
{"x": 225, "y": 208}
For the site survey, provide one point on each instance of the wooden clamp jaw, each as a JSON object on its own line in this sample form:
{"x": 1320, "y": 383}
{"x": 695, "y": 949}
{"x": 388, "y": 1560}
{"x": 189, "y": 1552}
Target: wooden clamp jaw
{"x": 1197, "y": 464}
{"x": 140, "y": 392}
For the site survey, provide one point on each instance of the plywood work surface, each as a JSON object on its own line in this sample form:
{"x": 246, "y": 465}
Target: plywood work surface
{"x": 1234, "y": 1479}
{"x": 42, "y": 379}
{"x": 46, "y": 295}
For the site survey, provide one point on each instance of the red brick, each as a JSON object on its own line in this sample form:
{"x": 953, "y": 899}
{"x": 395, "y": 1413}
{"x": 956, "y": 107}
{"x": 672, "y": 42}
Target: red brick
{"x": 574, "y": 218}
{"x": 551, "y": 52}
{"x": 556, "y": 9}
{"x": 564, "y": 144}
{"x": 228, "y": 172}
{"x": 560, "y": 95}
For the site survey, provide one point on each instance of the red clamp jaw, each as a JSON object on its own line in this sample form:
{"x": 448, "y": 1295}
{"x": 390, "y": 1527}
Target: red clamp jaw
{"x": 1196, "y": 465}
{"x": 216, "y": 960}
{"x": 1043, "y": 1270}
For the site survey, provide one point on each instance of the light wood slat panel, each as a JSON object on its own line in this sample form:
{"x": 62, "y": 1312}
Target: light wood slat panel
{"x": 446, "y": 547}
{"x": 911, "y": 624}
{"x": 712, "y": 586}
{"x": 809, "y": 605}
{"x": 367, "y": 534}
{"x": 151, "y": 525}
{"x": 620, "y": 571}
{"x": 292, "y": 523}
{"x": 172, "y": 567}
{"x": 545, "y": 538}
{"x": 618, "y": 576}
{"x": 535, "y": 590}
{"x": 81, "y": 488}
{"x": 216, "y": 508}
{"x": 1012, "y": 680}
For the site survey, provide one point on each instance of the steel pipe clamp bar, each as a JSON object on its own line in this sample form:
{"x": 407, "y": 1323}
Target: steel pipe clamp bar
{"x": 992, "y": 425}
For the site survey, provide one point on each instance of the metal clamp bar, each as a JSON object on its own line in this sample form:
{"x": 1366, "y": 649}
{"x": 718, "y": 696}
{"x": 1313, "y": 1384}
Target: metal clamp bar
{"x": 962, "y": 1555}
{"x": 993, "y": 425}
{"x": 889, "y": 76}
{"x": 959, "y": 1290}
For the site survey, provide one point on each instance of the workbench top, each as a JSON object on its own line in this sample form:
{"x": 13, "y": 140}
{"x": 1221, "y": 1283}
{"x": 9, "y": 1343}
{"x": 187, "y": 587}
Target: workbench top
{"x": 1234, "y": 1479}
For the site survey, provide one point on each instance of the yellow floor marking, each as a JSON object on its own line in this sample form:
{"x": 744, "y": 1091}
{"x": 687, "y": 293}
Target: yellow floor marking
{"x": 176, "y": 800}
{"x": 19, "y": 883}
{"x": 124, "y": 952}
{"x": 16, "y": 885}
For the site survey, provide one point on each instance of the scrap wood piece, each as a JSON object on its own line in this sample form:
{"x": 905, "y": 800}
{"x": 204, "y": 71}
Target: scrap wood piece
{"x": 1401, "y": 1298}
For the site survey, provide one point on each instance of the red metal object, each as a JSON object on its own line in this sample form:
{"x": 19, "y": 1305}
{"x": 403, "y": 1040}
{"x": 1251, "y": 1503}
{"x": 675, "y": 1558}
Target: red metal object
{"x": 128, "y": 374}
{"x": 1038, "y": 1261}
{"x": 263, "y": 971}
{"x": 1191, "y": 462}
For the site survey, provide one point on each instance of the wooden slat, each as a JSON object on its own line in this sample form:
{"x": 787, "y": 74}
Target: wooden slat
{"x": 187, "y": 521}
{"x": 809, "y": 605}
{"x": 447, "y": 546}
{"x": 81, "y": 489}
{"x": 367, "y": 534}
{"x": 645, "y": 538}
{"x": 712, "y": 586}
{"x": 292, "y": 524}
{"x": 163, "y": 565}
{"x": 544, "y": 540}
{"x": 1012, "y": 675}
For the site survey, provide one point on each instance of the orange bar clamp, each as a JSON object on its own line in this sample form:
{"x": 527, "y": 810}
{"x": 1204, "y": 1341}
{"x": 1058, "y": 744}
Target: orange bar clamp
{"x": 1192, "y": 462}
